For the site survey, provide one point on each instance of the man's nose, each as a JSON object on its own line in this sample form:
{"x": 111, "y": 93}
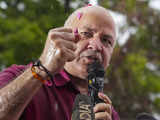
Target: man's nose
{"x": 95, "y": 44}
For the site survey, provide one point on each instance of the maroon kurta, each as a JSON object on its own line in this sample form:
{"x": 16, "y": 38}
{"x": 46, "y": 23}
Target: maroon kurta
{"x": 49, "y": 103}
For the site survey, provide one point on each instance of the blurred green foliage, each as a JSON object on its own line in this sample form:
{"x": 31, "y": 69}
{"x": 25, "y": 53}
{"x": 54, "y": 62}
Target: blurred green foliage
{"x": 132, "y": 85}
{"x": 134, "y": 75}
{"x": 24, "y": 25}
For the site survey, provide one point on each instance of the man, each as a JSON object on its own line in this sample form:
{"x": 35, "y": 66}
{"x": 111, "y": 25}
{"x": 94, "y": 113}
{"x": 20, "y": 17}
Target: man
{"x": 66, "y": 56}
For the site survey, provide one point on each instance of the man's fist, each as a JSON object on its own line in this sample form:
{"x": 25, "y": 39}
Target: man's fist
{"x": 59, "y": 48}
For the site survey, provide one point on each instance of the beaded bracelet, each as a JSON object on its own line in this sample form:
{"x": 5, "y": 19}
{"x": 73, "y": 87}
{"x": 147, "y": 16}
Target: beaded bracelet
{"x": 48, "y": 80}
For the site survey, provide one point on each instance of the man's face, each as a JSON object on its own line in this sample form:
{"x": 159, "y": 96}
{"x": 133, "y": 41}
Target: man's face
{"x": 97, "y": 39}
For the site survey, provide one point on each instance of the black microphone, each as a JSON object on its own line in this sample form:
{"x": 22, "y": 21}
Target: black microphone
{"x": 83, "y": 104}
{"x": 82, "y": 108}
{"x": 95, "y": 81}
{"x": 145, "y": 116}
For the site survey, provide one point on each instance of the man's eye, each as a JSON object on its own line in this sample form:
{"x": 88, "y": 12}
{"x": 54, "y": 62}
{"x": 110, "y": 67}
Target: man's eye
{"x": 87, "y": 34}
{"x": 106, "y": 41}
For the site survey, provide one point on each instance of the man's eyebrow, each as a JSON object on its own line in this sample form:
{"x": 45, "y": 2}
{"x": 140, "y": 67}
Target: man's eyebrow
{"x": 90, "y": 29}
{"x": 108, "y": 36}
{"x": 94, "y": 30}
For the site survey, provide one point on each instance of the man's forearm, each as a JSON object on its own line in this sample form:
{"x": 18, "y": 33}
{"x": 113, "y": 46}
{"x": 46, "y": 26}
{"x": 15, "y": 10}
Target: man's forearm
{"x": 16, "y": 95}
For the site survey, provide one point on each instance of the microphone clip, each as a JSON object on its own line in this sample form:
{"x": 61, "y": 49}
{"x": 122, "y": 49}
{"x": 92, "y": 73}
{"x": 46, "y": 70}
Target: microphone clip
{"x": 95, "y": 81}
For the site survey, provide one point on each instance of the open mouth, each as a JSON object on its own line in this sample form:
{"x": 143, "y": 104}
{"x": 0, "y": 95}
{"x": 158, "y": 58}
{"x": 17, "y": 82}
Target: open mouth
{"x": 92, "y": 55}
{"x": 91, "y": 59}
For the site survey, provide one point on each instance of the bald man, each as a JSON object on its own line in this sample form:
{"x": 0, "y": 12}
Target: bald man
{"x": 88, "y": 35}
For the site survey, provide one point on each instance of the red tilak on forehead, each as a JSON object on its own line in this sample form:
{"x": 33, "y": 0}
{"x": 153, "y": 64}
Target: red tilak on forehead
{"x": 88, "y": 5}
{"x": 79, "y": 15}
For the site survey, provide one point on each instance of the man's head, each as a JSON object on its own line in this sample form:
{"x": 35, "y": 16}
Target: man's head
{"x": 97, "y": 38}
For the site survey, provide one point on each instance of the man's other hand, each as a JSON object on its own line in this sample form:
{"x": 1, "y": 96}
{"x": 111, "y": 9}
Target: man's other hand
{"x": 103, "y": 111}
{"x": 59, "y": 48}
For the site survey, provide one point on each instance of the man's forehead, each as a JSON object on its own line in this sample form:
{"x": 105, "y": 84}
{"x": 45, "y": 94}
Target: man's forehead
{"x": 95, "y": 23}
{"x": 89, "y": 28}
{"x": 94, "y": 29}
{"x": 92, "y": 8}
{"x": 91, "y": 17}
{"x": 95, "y": 16}
{"x": 81, "y": 12}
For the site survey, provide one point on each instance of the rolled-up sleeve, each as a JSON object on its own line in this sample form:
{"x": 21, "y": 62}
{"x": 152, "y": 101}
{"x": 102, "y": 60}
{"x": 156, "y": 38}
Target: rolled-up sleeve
{"x": 9, "y": 74}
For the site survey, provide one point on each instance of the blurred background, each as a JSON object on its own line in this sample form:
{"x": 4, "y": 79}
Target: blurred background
{"x": 133, "y": 78}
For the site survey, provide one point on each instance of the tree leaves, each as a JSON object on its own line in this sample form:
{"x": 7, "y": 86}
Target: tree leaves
{"x": 23, "y": 32}
{"x": 135, "y": 69}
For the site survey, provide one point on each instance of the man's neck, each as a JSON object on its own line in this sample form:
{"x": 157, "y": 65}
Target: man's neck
{"x": 80, "y": 84}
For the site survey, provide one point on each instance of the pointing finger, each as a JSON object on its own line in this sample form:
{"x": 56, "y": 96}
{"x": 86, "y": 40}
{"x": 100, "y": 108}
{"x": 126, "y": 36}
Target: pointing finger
{"x": 104, "y": 97}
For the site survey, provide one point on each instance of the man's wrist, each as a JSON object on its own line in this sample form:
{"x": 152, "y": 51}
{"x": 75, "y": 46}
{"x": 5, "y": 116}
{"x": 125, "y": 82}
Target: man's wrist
{"x": 41, "y": 73}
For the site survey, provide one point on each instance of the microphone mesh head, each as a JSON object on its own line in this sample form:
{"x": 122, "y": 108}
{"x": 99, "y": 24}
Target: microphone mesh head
{"x": 95, "y": 70}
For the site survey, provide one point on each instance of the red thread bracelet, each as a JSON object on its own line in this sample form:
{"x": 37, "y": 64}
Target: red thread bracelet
{"x": 48, "y": 80}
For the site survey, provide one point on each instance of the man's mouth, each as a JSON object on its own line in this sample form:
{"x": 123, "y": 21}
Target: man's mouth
{"x": 93, "y": 58}
{"x": 92, "y": 55}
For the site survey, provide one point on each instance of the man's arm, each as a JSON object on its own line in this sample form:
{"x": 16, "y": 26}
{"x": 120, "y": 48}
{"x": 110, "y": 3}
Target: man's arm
{"x": 14, "y": 97}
